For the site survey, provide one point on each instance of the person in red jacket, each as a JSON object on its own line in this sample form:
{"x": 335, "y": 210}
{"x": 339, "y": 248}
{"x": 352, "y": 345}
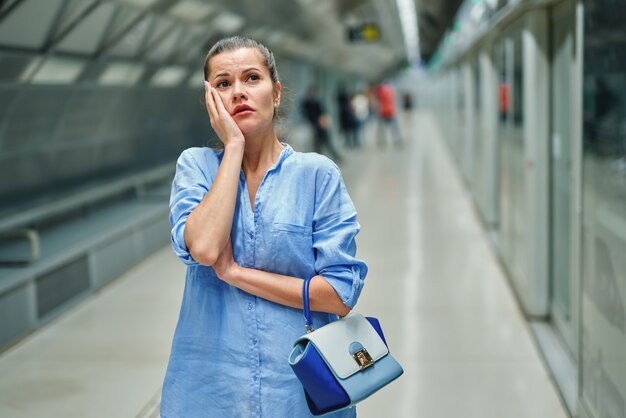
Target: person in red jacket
{"x": 385, "y": 96}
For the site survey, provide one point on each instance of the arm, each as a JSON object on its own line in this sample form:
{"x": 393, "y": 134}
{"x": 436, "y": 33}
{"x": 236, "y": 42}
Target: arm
{"x": 340, "y": 277}
{"x": 278, "y": 288}
{"x": 208, "y": 226}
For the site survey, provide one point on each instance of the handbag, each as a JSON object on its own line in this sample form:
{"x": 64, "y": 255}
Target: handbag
{"x": 343, "y": 362}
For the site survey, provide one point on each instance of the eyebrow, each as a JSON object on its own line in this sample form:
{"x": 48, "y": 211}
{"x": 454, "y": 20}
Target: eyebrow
{"x": 225, "y": 74}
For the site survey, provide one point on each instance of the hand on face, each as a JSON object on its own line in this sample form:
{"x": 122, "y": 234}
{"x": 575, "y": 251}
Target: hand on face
{"x": 221, "y": 121}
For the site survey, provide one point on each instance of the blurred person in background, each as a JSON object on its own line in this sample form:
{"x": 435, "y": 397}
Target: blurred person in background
{"x": 319, "y": 120}
{"x": 251, "y": 221}
{"x": 361, "y": 108}
{"x": 347, "y": 120}
{"x": 386, "y": 100}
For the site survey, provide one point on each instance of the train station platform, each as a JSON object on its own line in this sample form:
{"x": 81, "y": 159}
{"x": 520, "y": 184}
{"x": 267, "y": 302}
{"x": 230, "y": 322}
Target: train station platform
{"x": 445, "y": 304}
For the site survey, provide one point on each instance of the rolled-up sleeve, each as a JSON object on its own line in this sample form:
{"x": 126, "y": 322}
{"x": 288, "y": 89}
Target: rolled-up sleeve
{"x": 188, "y": 189}
{"x": 335, "y": 228}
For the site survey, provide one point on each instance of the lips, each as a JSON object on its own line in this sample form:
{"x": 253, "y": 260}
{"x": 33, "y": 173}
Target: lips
{"x": 242, "y": 108}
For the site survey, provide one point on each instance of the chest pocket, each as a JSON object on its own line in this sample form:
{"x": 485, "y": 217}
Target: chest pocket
{"x": 292, "y": 248}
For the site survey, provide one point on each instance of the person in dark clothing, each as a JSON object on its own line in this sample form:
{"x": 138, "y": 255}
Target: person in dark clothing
{"x": 313, "y": 110}
{"x": 347, "y": 120}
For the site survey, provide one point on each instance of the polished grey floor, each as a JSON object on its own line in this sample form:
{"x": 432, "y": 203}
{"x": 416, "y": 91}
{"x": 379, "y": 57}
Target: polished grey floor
{"x": 446, "y": 308}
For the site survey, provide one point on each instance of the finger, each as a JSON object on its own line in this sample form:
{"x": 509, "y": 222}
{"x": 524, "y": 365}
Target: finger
{"x": 219, "y": 104}
{"x": 209, "y": 100}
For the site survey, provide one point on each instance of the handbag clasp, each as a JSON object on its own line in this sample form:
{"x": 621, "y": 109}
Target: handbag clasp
{"x": 363, "y": 358}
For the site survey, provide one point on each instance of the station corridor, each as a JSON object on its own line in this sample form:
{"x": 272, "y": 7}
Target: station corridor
{"x": 434, "y": 282}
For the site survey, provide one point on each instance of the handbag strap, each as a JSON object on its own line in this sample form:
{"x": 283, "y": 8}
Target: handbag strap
{"x": 308, "y": 323}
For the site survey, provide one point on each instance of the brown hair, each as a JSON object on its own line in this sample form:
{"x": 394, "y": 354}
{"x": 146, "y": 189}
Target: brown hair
{"x": 234, "y": 43}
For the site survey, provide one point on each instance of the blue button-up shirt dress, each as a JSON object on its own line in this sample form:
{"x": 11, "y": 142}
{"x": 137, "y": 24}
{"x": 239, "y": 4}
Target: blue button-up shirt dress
{"x": 230, "y": 349}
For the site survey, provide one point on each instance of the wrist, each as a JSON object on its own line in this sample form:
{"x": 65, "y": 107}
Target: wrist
{"x": 234, "y": 146}
{"x": 233, "y": 274}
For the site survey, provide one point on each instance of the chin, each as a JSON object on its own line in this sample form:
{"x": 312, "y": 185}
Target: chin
{"x": 252, "y": 128}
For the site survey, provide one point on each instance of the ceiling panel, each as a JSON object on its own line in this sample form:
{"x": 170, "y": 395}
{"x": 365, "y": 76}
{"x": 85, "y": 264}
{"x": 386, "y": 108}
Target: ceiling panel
{"x": 71, "y": 12}
{"x": 12, "y": 66}
{"x": 86, "y": 35}
{"x": 28, "y": 25}
{"x": 131, "y": 38}
{"x": 164, "y": 48}
{"x": 311, "y": 30}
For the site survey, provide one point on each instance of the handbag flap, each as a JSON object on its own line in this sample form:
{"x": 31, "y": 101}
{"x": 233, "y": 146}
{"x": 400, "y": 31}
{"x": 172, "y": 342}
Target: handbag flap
{"x": 336, "y": 340}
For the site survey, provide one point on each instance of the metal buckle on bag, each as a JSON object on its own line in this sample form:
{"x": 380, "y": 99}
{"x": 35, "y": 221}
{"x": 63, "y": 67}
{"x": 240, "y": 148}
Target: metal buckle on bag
{"x": 309, "y": 328}
{"x": 363, "y": 358}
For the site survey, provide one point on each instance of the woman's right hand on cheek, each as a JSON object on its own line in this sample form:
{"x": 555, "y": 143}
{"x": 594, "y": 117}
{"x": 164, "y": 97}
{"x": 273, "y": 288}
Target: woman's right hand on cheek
{"x": 221, "y": 121}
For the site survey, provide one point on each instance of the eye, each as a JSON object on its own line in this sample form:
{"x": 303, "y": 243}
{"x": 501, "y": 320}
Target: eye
{"x": 222, "y": 84}
{"x": 253, "y": 77}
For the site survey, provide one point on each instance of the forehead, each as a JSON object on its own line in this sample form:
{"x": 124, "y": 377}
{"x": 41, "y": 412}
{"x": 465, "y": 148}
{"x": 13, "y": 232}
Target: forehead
{"x": 234, "y": 61}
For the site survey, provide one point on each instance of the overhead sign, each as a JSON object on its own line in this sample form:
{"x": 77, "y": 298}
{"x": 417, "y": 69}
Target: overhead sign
{"x": 365, "y": 32}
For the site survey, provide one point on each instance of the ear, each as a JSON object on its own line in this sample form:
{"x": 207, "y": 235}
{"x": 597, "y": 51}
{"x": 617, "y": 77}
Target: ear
{"x": 277, "y": 91}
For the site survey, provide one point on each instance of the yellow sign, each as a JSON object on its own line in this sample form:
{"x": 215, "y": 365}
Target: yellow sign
{"x": 367, "y": 32}
{"x": 370, "y": 32}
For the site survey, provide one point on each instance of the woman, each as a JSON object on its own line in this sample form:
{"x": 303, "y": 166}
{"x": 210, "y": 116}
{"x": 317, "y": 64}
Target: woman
{"x": 251, "y": 221}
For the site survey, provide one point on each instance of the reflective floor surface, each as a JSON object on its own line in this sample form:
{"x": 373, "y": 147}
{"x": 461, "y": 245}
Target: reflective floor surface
{"x": 444, "y": 303}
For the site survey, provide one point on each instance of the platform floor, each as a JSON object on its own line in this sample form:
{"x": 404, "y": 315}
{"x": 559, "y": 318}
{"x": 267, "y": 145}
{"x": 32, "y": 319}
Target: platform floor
{"x": 445, "y": 305}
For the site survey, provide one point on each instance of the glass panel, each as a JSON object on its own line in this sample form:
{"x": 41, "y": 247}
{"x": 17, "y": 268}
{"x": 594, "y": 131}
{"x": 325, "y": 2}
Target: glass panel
{"x": 85, "y": 37}
{"x": 71, "y": 12}
{"x": 28, "y": 25}
{"x": 519, "y": 210}
{"x": 512, "y": 183}
{"x": 460, "y": 109}
{"x": 6, "y": 5}
{"x": 195, "y": 48}
{"x": 164, "y": 48}
{"x": 505, "y": 134}
{"x": 503, "y": 92}
{"x": 121, "y": 23}
{"x": 130, "y": 42}
{"x": 603, "y": 298}
{"x": 160, "y": 28}
{"x": 478, "y": 166}
{"x": 468, "y": 132}
{"x": 560, "y": 188}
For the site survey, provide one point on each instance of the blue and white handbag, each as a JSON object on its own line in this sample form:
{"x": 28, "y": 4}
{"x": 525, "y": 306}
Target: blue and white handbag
{"x": 343, "y": 362}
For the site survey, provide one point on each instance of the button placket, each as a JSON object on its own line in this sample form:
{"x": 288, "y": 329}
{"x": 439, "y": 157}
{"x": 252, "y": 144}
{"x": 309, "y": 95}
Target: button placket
{"x": 254, "y": 354}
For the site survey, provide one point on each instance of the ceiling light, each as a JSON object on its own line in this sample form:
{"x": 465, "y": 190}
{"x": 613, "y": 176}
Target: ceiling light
{"x": 169, "y": 76}
{"x": 228, "y": 22}
{"x": 192, "y": 10}
{"x": 121, "y": 74}
{"x": 139, "y": 3}
{"x": 58, "y": 71}
{"x": 408, "y": 20}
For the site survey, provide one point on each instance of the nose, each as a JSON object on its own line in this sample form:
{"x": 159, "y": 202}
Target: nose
{"x": 238, "y": 91}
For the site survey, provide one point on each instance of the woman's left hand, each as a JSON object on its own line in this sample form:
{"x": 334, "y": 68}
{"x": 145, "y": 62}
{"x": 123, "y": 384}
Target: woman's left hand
{"x": 225, "y": 265}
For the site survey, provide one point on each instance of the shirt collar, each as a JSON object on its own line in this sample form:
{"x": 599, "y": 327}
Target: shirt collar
{"x": 286, "y": 152}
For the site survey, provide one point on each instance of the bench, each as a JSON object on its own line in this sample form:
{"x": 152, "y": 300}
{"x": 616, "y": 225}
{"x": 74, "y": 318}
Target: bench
{"x": 54, "y": 253}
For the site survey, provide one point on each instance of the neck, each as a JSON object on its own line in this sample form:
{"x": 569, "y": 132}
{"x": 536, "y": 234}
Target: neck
{"x": 261, "y": 152}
